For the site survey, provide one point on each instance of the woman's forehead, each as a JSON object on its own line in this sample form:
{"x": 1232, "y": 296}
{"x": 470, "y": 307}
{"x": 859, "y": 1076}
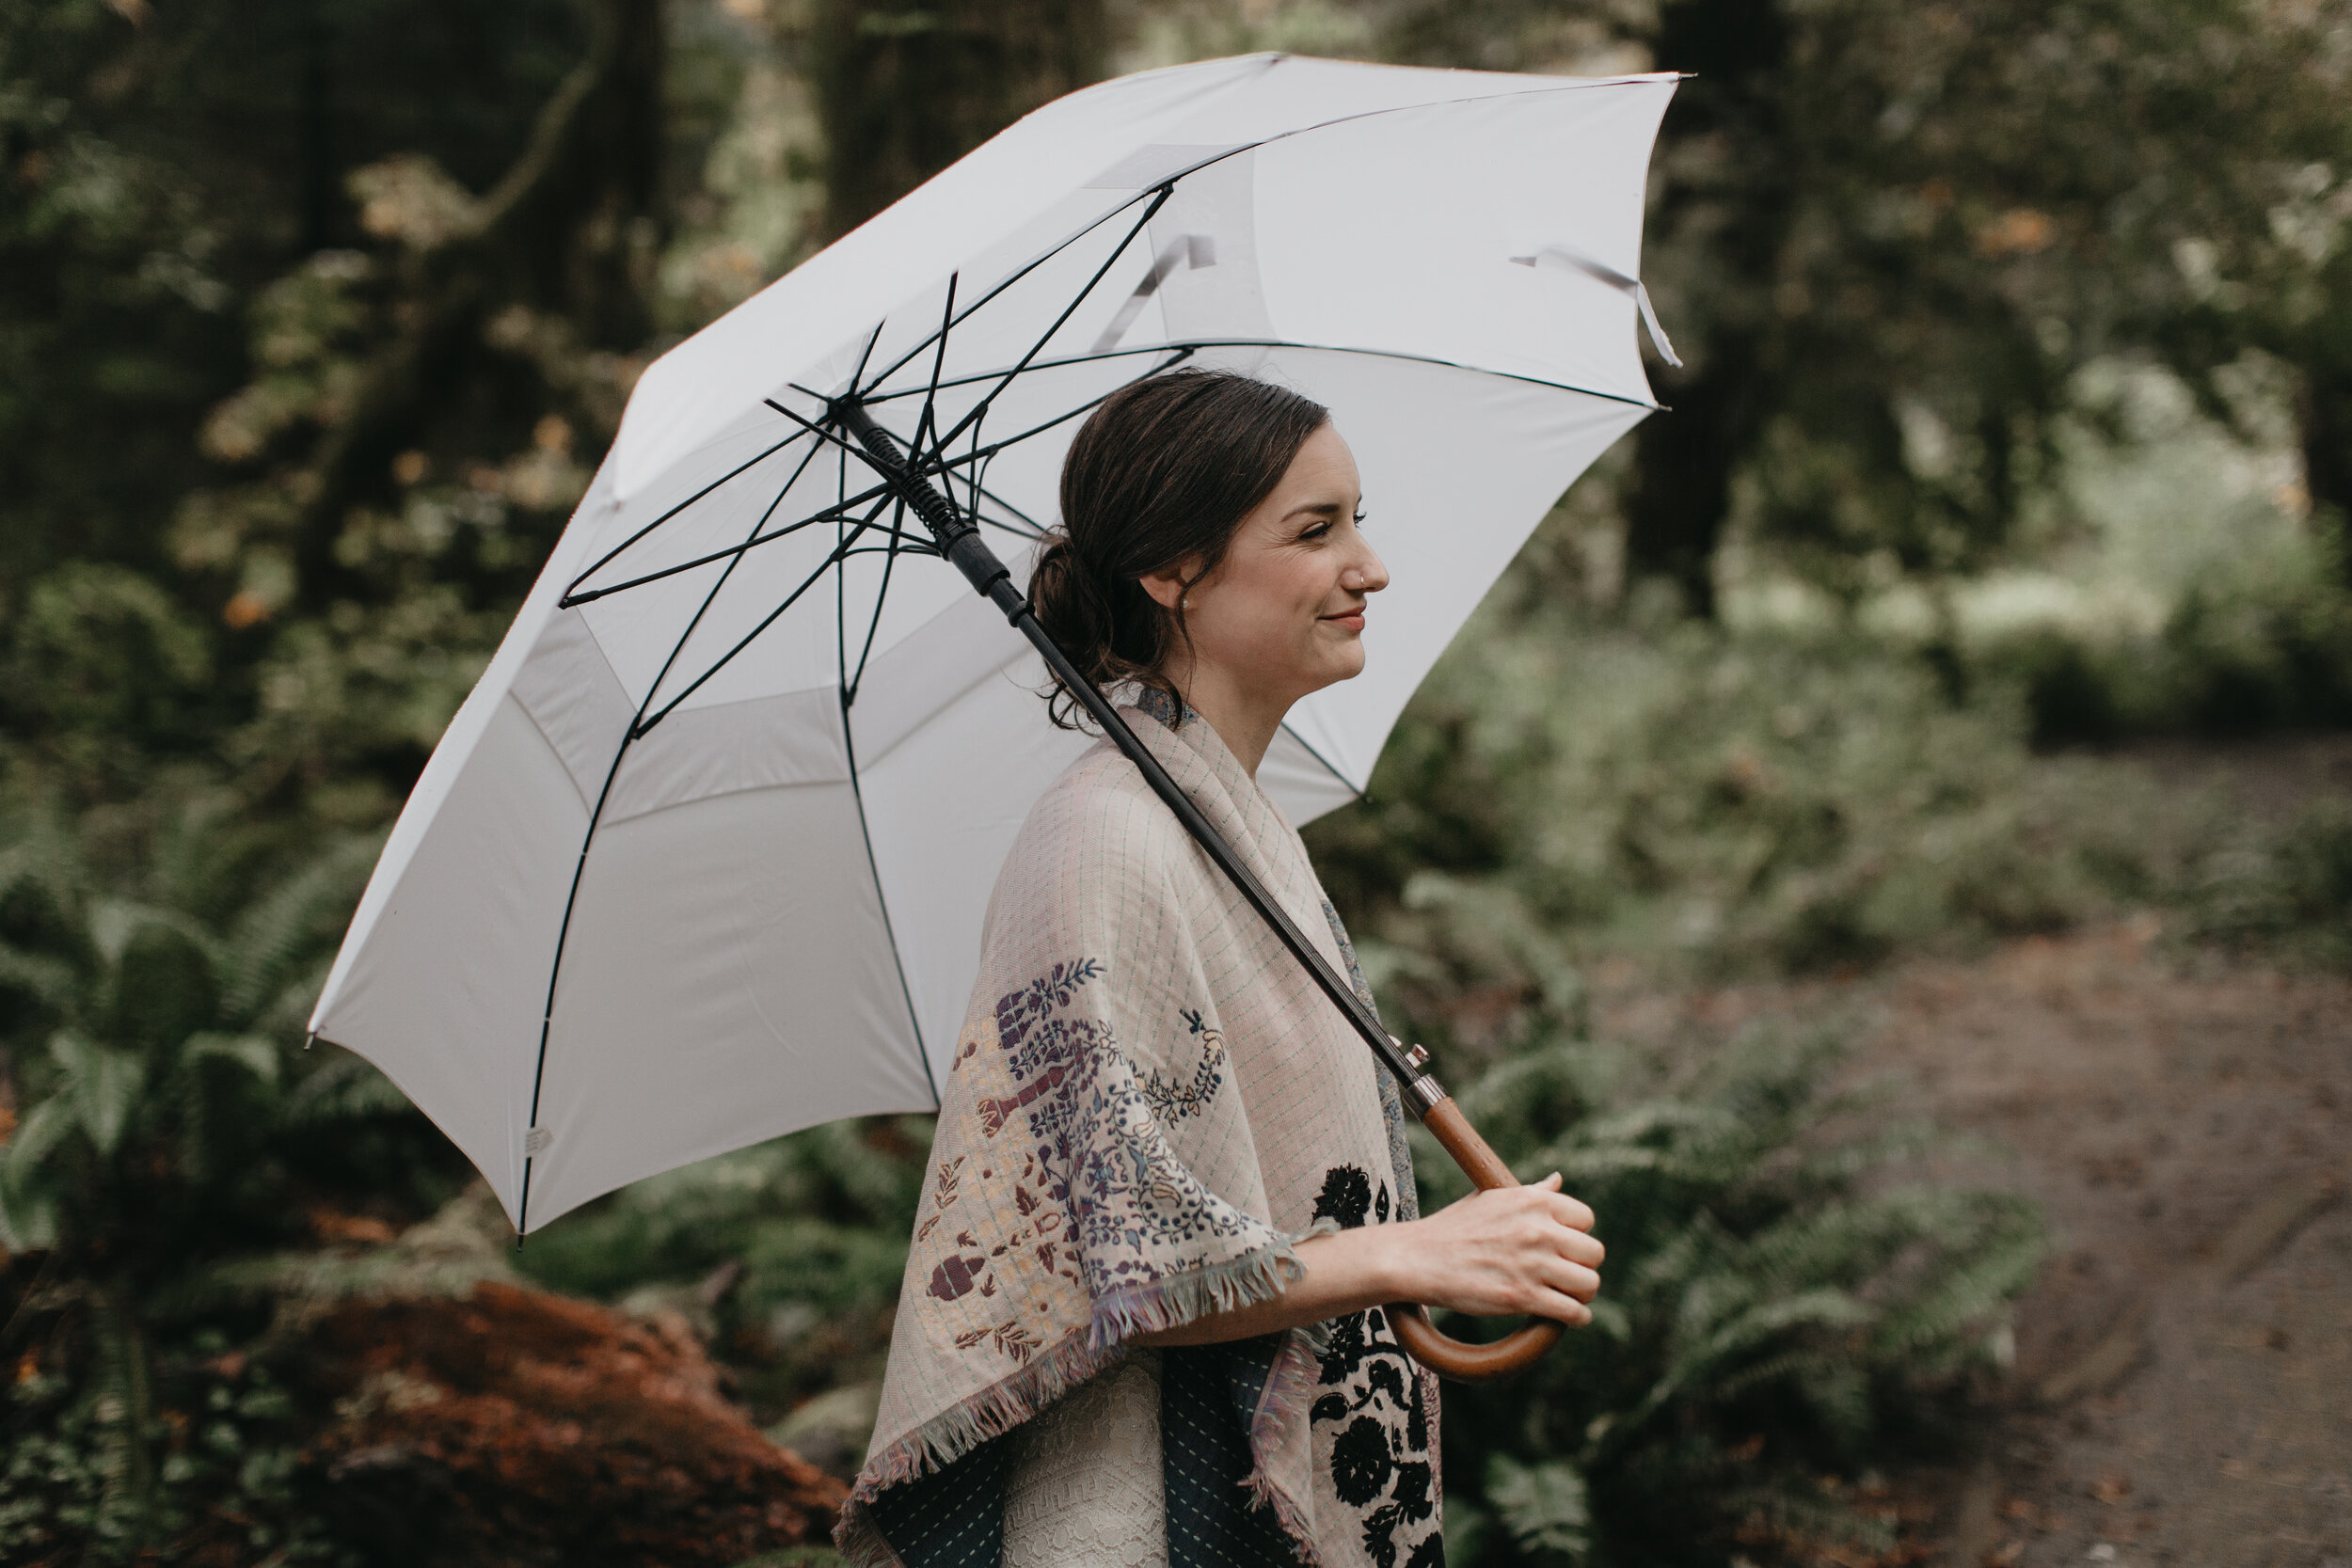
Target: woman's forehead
{"x": 1323, "y": 473}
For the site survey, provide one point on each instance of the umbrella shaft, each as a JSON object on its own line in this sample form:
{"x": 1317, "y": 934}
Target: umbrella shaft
{"x": 959, "y": 541}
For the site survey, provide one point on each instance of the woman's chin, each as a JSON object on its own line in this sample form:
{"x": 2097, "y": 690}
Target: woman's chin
{"x": 1345, "y": 664}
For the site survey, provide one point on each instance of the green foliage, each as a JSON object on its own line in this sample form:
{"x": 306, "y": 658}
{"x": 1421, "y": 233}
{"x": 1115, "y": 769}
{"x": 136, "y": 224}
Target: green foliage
{"x": 212, "y": 1461}
{"x": 1708, "y": 797}
{"x": 166, "y": 1119}
{"x": 1778, "y": 1305}
{"x": 2292, "y": 892}
{"x": 150, "y": 1043}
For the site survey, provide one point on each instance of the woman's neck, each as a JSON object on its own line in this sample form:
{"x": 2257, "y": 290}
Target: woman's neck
{"x": 1243, "y": 716}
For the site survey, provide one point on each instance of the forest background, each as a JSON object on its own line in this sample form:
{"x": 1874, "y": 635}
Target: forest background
{"x": 2013, "y": 439}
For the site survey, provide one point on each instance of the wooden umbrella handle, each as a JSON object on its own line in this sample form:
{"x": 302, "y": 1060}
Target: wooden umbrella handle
{"x": 1450, "y": 1357}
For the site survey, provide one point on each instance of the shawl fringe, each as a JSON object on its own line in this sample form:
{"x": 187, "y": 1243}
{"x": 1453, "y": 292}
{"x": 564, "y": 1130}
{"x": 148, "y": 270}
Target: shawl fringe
{"x": 1254, "y": 1277}
{"x": 1289, "y": 1387}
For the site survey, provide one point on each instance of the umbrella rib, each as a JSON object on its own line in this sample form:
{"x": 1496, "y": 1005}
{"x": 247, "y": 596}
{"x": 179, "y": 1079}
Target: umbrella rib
{"x": 1159, "y": 199}
{"x": 927, "y": 422}
{"x": 930, "y": 420}
{"x": 555, "y": 971}
{"x": 840, "y": 580}
{"x": 596, "y": 816}
{"x": 731, "y": 474}
{"x": 832, "y": 558}
{"x": 872, "y": 398}
{"x": 1159, "y": 193}
{"x": 1030, "y": 528}
{"x": 890, "y": 932}
{"x": 1192, "y": 345}
{"x": 1418, "y": 360}
{"x": 873, "y": 622}
{"x": 831, "y": 513}
{"x": 1176, "y": 357}
{"x": 866, "y": 352}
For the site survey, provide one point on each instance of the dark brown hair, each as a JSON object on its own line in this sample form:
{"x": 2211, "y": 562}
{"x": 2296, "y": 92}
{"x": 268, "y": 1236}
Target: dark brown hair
{"x": 1165, "y": 470}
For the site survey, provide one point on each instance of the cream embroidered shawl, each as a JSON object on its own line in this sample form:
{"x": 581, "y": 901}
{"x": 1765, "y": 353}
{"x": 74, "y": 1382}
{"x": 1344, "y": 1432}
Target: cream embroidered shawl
{"x": 1149, "y": 1104}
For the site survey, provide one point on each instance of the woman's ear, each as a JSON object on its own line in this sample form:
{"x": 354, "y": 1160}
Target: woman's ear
{"x": 1167, "y": 587}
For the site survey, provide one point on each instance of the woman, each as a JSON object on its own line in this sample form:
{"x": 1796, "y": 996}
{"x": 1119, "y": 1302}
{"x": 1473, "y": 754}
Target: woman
{"x": 1142, "y": 1320}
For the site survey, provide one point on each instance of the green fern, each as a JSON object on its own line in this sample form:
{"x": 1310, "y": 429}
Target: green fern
{"x": 151, "y": 1025}
{"x": 1772, "y": 1304}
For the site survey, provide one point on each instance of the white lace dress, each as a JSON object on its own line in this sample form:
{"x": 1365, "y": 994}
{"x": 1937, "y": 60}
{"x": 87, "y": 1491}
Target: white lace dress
{"x": 1086, "y": 1489}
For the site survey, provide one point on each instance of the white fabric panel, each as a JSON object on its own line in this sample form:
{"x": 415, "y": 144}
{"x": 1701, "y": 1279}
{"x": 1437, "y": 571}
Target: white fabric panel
{"x": 446, "y": 992}
{"x": 708, "y": 381}
{"x": 1395, "y": 231}
{"x": 1227, "y": 300}
{"x": 699, "y": 752}
{"x": 574, "y": 697}
{"x": 952, "y": 750}
{"x": 572, "y": 694}
{"x": 727, "y": 978}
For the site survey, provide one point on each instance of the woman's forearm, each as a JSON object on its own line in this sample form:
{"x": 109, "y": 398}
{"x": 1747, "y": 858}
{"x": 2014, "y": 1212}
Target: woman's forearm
{"x": 1345, "y": 1272}
{"x": 1515, "y": 1250}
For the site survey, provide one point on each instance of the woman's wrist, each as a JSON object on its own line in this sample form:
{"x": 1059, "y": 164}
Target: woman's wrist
{"x": 1379, "y": 1262}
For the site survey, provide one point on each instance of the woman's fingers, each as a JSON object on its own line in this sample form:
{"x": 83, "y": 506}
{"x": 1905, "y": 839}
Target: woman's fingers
{"x": 1572, "y": 1280}
{"x": 1569, "y": 1212}
{"x": 1578, "y": 1247}
{"x": 1562, "y": 1309}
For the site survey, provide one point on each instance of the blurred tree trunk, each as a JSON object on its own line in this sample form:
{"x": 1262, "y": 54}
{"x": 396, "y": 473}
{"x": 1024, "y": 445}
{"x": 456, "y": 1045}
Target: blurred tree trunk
{"x": 905, "y": 89}
{"x": 1680, "y": 494}
{"x": 321, "y": 198}
{"x": 579, "y": 210}
{"x": 571, "y": 232}
{"x": 1683, "y": 462}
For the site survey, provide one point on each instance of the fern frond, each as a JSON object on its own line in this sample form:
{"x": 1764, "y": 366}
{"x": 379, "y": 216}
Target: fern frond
{"x": 280, "y": 931}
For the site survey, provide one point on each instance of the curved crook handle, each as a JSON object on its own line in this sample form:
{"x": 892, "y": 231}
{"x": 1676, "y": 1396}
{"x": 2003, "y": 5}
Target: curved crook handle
{"x": 1450, "y": 1357}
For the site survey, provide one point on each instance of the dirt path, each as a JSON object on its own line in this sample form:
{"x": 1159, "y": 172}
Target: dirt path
{"x": 2182, "y": 1387}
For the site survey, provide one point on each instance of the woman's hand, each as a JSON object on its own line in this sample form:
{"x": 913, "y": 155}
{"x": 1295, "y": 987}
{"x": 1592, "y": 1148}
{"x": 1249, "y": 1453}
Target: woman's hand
{"x": 1508, "y": 1252}
{"x": 1512, "y": 1250}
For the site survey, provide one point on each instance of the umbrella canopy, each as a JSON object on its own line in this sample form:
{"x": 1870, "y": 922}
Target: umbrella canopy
{"x": 703, "y": 857}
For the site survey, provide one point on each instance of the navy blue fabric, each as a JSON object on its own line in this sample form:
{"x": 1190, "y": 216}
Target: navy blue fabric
{"x": 1207, "y": 1396}
{"x": 954, "y": 1517}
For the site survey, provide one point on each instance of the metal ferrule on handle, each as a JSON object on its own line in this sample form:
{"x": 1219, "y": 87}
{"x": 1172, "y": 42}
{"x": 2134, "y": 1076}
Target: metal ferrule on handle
{"x": 959, "y": 541}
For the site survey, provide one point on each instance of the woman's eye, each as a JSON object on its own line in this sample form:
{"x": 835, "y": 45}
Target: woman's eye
{"x": 1317, "y": 531}
{"x": 1359, "y": 519}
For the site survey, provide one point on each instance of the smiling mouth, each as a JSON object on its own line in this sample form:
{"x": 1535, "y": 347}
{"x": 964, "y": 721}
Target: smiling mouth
{"x": 1352, "y": 618}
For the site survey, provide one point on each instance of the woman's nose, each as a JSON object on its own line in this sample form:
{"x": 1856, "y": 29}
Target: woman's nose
{"x": 1368, "y": 574}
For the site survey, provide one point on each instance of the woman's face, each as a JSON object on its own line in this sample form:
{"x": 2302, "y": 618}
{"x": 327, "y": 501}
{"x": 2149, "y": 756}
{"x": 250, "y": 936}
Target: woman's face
{"x": 1283, "y": 614}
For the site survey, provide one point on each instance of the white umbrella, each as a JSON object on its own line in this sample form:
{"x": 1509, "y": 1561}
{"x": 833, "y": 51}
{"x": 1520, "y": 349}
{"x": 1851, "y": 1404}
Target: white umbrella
{"x": 703, "y": 857}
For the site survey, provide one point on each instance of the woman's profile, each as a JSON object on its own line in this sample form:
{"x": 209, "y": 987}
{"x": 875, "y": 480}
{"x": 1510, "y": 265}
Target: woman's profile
{"x": 1142, "y": 1320}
